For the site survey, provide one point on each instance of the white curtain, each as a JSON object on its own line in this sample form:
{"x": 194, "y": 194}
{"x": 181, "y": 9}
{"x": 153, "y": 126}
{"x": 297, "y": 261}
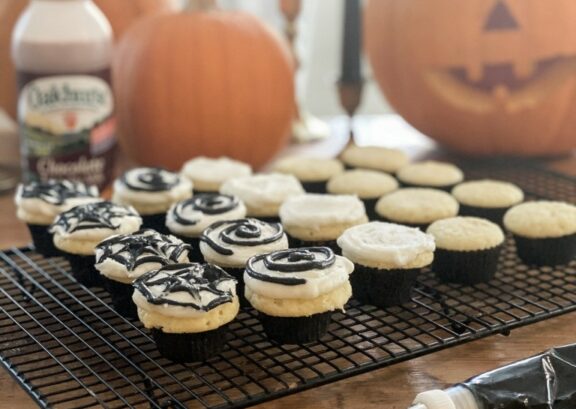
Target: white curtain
{"x": 319, "y": 47}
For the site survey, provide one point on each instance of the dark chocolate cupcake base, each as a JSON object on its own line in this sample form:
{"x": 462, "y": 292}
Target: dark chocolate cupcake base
{"x": 83, "y": 270}
{"x": 267, "y": 219}
{"x": 446, "y": 188}
{"x": 238, "y": 274}
{"x": 121, "y": 295}
{"x": 296, "y": 243}
{"x": 370, "y": 205}
{"x": 315, "y": 187}
{"x": 548, "y": 251}
{"x": 195, "y": 255}
{"x": 466, "y": 267}
{"x": 190, "y": 347}
{"x": 494, "y": 214}
{"x": 43, "y": 240}
{"x": 383, "y": 288}
{"x": 421, "y": 226}
{"x": 295, "y": 330}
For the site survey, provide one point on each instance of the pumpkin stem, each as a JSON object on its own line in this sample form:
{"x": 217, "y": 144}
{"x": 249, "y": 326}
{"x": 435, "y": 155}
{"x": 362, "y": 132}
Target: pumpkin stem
{"x": 202, "y": 5}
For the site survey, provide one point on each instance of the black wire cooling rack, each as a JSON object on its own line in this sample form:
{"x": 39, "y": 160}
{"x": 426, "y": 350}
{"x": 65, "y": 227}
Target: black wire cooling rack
{"x": 69, "y": 349}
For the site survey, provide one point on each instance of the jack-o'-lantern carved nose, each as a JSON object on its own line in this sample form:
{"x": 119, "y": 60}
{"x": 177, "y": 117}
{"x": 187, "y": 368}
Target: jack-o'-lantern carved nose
{"x": 500, "y": 18}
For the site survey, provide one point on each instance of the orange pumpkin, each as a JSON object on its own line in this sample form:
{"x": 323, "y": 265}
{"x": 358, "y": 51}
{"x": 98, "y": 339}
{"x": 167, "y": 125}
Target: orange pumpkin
{"x": 203, "y": 83}
{"x": 121, "y": 14}
{"x": 480, "y": 76}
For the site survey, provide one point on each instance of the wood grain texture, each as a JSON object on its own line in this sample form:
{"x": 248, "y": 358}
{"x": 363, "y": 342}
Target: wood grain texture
{"x": 392, "y": 387}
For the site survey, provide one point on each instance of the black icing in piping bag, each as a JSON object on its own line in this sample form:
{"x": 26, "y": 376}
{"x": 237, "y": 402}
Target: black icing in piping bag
{"x": 545, "y": 381}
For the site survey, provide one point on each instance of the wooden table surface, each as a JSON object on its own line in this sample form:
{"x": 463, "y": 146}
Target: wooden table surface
{"x": 393, "y": 387}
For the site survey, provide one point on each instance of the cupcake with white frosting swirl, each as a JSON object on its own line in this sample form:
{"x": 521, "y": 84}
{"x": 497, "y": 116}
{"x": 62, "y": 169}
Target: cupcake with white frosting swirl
{"x": 123, "y": 258}
{"x": 388, "y": 258}
{"x": 151, "y": 191}
{"x": 187, "y": 307}
{"x": 295, "y": 291}
{"x": 208, "y": 174}
{"x": 229, "y": 244}
{"x": 187, "y": 219}
{"x": 38, "y": 204}
{"x": 263, "y": 194}
{"x": 78, "y": 231}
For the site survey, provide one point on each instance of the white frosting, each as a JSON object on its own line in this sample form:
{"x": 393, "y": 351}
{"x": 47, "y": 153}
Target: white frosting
{"x": 318, "y": 281}
{"x": 203, "y": 220}
{"x": 150, "y": 202}
{"x": 263, "y": 190}
{"x": 241, "y": 254}
{"x": 37, "y": 210}
{"x": 321, "y": 210}
{"x": 161, "y": 246}
{"x": 208, "y": 174}
{"x": 385, "y": 243}
{"x": 169, "y": 310}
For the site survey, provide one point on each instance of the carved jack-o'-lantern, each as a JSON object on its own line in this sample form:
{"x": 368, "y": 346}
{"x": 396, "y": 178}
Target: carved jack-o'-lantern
{"x": 480, "y": 76}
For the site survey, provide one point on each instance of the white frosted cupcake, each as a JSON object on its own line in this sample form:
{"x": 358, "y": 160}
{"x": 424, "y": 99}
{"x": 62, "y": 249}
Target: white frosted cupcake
{"x": 318, "y": 220}
{"x": 187, "y": 307}
{"x": 416, "y": 207}
{"x": 229, "y": 244}
{"x": 313, "y": 173}
{"x": 432, "y": 174}
{"x": 38, "y": 204}
{"x": 189, "y": 218}
{"x": 263, "y": 194}
{"x": 387, "y": 259}
{"x": 544, "y": 231}
{"x": 151, "y": 191}
{"x": 375, "y": 158}
{"x": 78, "y": 231}
{"x": 123, "y": 258}
{"x": 467, "y": 249}
{"x": 208, "y": 174}
{"x": 295, "y": 291}
{"x": 488, "y": 199}
{"x": 368, "y": 185}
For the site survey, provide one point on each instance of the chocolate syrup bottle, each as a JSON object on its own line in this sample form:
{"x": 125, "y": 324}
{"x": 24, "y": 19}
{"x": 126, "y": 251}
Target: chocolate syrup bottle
{"x": 62, "y": 51}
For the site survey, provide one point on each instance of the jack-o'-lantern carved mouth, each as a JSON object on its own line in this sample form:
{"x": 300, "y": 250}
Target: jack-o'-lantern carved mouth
{"x": 502, "y": 86}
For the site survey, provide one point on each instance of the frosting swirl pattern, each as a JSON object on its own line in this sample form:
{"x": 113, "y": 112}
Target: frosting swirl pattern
{"x": 305, "y": 273}
{"x": 128, "y": 256}
{"x": 193, "y": 287}
{"x": 150, "y": 179}
{"x": 192, "y": 216}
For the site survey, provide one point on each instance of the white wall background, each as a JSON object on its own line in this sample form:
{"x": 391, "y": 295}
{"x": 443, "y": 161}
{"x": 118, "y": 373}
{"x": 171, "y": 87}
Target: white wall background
{"x": 319, "y": 46}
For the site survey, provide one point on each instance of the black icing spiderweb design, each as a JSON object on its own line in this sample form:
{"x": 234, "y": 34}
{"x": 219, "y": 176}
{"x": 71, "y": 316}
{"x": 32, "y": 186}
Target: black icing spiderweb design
{"x": 99, "y": 215}
{"x": 56, "y": 192}
{"x": 144, "y": 246}
{"x": 193, "y": 278}
{"x": 150, "y": 179}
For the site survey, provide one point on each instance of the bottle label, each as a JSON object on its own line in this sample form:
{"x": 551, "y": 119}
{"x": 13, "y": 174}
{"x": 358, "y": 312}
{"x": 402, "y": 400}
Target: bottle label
{"x": 67, "y": 128}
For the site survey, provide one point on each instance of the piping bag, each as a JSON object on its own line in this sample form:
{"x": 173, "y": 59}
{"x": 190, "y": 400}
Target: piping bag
{"x": 545, "y": 381}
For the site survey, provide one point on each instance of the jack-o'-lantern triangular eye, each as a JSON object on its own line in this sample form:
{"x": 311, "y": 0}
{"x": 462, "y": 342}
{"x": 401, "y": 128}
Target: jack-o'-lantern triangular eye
{"x": 500, "y": 18}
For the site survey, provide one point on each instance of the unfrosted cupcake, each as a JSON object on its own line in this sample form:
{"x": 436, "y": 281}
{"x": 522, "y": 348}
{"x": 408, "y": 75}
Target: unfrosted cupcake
{"x": 263, "y": 194}
{"x": 208, "y": 174}
{"x": 416, "y": 207}
{"x": 368, "y": 185}
{"x": 544, "y": 231}
{"x": 189, "y": 218}
{"x": 313, "y": 173}
{"x": 375, "y": 158}
{"x": 123, "y": 258}
{"x": 318, "y": 220}
{"x": 488, "y": 199}
{"x": 38, "y": 204}
{"x": 467, "y": 249}
{"x": 295, "y": 292}
{"x": 432, "y": 174}
{"x": 229, "y": 244}
{"x": 151, "y": 191}
{"x": 187, "y": 307}
{"x": 78, "y": 231}
{"x": 387, "y": 259}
